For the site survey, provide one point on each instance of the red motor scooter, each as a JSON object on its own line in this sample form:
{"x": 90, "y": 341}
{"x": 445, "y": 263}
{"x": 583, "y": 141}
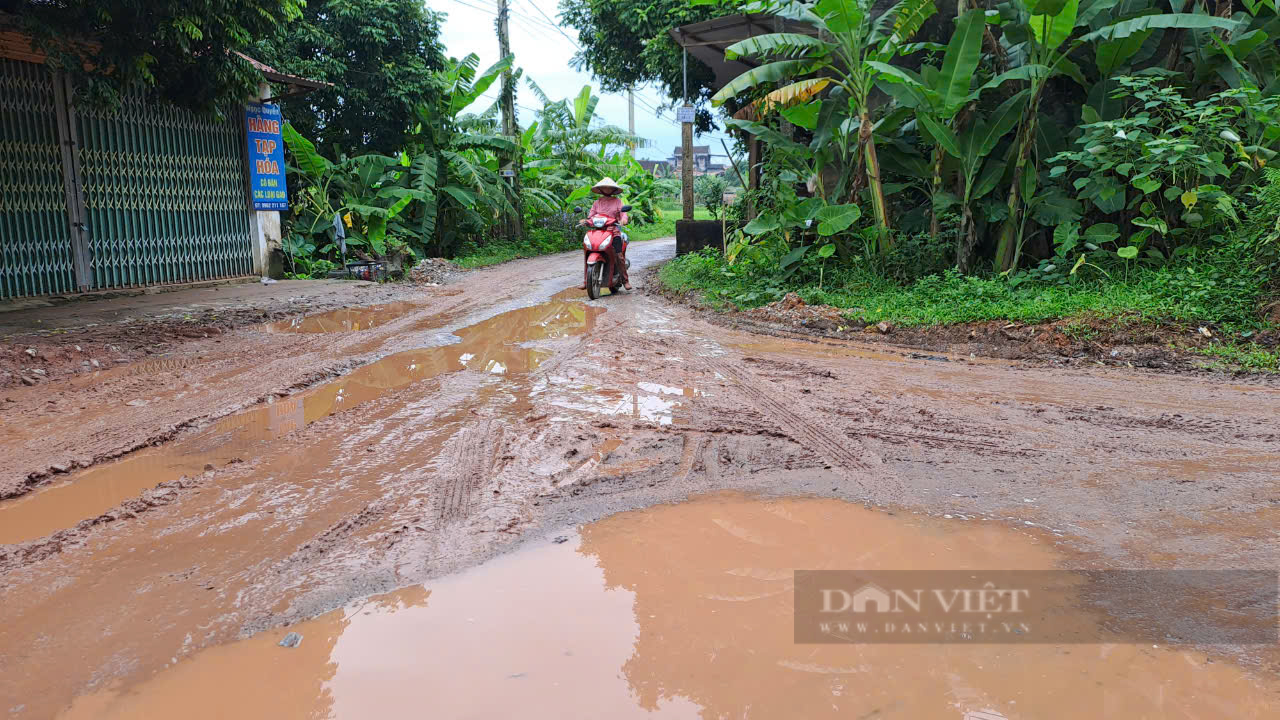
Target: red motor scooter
{"x": 606, "y": 247}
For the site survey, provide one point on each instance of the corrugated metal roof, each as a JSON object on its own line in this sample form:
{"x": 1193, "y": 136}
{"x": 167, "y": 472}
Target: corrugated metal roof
{"x": 17, "y": 46}
{"x": 275, "y": 76}
{"x": 708, "y": 39}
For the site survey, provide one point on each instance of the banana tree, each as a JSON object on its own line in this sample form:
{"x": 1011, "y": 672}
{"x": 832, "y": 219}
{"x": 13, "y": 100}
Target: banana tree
{"x": 454, "y": 155}
{"x": 450, "y": 169}
{"x": 937, "y": 95}
{"x": 570, "y": 135}
{"x": 1040, "y": 32}
{"x": 848, "y": 36}
{"x": 365, "y": 193}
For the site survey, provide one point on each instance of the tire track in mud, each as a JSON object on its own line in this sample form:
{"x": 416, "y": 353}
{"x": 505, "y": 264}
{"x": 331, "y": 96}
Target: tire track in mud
{"x": 830, "y": 446}
{"x": 695, "y": 444}
{"x": 189, "y": 389}
{"x": 466, "y": 465}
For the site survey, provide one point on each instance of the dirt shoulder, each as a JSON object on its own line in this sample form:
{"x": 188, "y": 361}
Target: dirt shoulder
{"x": 87, "y": 381}
{"x": 1072, "y": 342}
{"x": 57, "y": 339}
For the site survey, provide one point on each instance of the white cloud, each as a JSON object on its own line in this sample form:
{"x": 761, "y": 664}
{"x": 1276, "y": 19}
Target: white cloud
{"x": 545, "y": 55}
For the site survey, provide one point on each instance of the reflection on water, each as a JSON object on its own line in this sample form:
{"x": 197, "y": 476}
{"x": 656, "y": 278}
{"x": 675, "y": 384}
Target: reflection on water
{"x": 681, "y": 611}
{"x": 603, "y": 402}
{"x": 343, "y": 320}
{"x": 491, "y": 346}
{"x": 653, "y": 404}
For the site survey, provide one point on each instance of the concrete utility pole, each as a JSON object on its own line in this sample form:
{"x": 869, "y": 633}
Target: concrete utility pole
{"x": 510, "y": 128}
{"x": 686, "y": 141}
{"x": 631, "y": 114}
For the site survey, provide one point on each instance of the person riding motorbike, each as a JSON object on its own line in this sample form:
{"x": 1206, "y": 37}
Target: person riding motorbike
{"x": 610, "y": 204}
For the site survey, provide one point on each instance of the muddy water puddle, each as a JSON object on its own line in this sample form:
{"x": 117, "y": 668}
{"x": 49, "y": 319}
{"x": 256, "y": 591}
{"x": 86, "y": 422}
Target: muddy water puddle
{"x": 344, "y": 320}
{"x": 680, "y": 611}
{"x": 649, "y": 404}
{"x": 492, "y": 346}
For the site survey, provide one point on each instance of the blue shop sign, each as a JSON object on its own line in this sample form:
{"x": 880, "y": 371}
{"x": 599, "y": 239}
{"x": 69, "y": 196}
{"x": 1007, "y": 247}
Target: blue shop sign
{"x": 266, "y": 157}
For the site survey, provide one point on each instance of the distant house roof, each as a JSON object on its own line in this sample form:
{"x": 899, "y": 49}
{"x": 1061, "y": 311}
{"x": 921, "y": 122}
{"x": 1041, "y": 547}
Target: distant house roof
{"x": 651, "y": 164}
{"x": 697, "y": 150}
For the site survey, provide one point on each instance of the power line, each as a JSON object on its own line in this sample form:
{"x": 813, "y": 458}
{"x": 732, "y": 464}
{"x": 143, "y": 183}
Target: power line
{"x": 534, "y": 29}
{"x": 473, "y": 7}
{"x": 554, "y": 25}
{"x": 495, "y": 98}
{"x": 535, "y": 26}
{"x": 492, "y": 8}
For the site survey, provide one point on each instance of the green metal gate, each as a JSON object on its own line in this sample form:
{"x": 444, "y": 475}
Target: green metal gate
{"x": 164, "y": 195}
{"x": 144, "y": 195}
{"x": 36, "y": 256}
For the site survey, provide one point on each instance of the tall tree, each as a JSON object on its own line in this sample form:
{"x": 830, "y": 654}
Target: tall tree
{"x": 181, "y": 49}
{"x": 380, "y": 55}
{"x": 624, "y": 43}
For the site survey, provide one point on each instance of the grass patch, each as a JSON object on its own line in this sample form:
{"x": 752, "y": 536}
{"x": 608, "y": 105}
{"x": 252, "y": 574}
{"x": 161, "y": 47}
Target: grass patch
{"x": 1219, "y": 288}
{"x": 674, "y": 210}
{"x": 665, "y": 227}
{"x": 1243, "y": 356}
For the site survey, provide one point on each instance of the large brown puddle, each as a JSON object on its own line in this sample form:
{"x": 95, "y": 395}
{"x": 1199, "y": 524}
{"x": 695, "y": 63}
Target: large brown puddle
{"x": 681, "y": 611}
{"x": 344, "y": 320}
{"x": 491, "y": 346}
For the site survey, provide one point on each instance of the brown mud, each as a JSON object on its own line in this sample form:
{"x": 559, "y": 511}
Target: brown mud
{"x": 684, "y": 611}
{"x": 86, "y": 337}
{"x": 489, "y": 346}
{"x": 471, "y": 429}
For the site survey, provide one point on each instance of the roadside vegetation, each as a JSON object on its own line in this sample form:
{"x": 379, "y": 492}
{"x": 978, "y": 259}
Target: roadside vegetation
{"x": 1038, "y": 161}
{"x": 925, "y": 163}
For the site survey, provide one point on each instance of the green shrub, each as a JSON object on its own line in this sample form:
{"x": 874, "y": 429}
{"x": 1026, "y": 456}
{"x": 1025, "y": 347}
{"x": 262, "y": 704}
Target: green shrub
{"x": 1215, "y": 286}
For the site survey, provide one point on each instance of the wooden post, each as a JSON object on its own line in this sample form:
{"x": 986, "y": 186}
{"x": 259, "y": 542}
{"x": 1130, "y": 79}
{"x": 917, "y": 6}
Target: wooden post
{"x": 686, "y": 164}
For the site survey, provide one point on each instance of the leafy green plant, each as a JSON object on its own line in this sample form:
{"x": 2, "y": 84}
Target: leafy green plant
{"x": 1161, "y": 166}
{"x": 381, "y": 56}
{"x": 937, "y": 95}
{"x": 1262, "y": 226}
{"x": 392, "y": 205}
{"x": 850, "y": 39}
{"x": 709, "y": 190}
{"x": 298, "y": 253}
{"x": 186, "y": 53}
{"x": 824, "y": 252}
{"x": 1250, "y": 357}
{"x": 1041, "y": 32}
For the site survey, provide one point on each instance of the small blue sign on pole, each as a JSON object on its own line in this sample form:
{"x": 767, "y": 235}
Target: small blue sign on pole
{"x": 266, "y": 157}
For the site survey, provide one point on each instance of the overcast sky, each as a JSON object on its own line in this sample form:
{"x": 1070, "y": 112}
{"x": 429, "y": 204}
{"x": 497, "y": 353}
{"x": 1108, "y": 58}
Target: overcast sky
{"x": 544, "y": 53}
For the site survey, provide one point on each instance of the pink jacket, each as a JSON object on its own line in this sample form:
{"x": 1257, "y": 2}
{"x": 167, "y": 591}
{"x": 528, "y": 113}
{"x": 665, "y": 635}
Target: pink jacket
{"x": 610, "y": 205}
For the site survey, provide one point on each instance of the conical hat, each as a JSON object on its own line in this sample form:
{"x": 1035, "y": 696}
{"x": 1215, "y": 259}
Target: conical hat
{"x": 605, "y": 183}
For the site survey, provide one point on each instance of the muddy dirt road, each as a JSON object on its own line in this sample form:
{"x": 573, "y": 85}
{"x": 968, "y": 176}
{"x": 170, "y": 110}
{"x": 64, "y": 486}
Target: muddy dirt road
{"x": 270, "y": 478}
